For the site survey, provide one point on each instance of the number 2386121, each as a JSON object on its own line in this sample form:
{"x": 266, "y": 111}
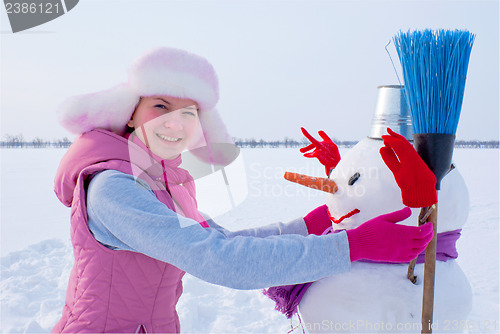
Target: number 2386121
{"x": 32, "y": 8}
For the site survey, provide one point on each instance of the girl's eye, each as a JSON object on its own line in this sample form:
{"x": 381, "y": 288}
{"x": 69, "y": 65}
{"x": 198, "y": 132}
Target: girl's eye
{"x": 190, "y": 111}
{"x": 353, "y": 178}
{"x": 161, "y": 106}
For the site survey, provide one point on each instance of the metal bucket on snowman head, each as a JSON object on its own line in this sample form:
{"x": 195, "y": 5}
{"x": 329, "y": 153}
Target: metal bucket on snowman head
{"x": 391, "y": 111}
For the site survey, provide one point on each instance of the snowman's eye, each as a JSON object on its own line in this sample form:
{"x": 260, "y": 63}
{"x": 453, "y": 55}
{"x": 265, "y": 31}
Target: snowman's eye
{"x": 353, "y": 178}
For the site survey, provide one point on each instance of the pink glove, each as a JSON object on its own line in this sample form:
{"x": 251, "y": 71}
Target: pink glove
{"x": 380, "y": 239}
{"x": 326, "y": 151}
{"x": 318, "y": 220}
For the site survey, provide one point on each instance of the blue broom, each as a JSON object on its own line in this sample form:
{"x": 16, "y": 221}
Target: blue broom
{"x": 434, "y": 67}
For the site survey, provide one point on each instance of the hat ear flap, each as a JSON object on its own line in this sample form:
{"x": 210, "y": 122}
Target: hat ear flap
{"x": 214, "y": 145}
{"x": 214, "y": 128}
{"x": 109, "y": 109}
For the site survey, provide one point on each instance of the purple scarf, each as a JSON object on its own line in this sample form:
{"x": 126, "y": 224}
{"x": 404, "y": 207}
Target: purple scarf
{"x": 288, "y": 297}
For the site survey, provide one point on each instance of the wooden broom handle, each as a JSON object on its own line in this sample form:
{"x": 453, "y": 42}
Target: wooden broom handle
{"x": 429, "y": 275}
{"x": 422, "y": 219}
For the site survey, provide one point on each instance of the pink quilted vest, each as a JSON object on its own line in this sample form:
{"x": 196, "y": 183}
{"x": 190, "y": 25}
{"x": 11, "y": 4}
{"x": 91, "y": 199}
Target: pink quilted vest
{"x": 111, "y": 290}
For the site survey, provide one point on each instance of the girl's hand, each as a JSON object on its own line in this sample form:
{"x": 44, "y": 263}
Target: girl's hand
{"x": 326, "y": 151}
{"x": 318, "y": 220}
{"x": 381, "y": 239}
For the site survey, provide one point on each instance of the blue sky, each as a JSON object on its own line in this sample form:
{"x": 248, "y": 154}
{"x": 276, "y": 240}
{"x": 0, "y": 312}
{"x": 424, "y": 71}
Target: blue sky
{"x": 281, "y": 64}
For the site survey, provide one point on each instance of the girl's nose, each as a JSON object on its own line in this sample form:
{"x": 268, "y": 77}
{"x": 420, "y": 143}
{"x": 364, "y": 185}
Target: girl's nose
{"x": 173, "y": 122}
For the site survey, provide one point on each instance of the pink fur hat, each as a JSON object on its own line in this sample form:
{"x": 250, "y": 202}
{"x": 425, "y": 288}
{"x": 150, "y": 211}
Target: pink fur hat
{"x": 162, "y": 71}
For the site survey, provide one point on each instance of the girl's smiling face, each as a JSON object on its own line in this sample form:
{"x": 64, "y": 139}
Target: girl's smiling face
{"x": 165, "y": 124}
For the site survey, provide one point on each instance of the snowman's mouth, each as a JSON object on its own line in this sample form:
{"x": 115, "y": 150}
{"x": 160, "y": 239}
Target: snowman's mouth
{"x": 337, "y": 221}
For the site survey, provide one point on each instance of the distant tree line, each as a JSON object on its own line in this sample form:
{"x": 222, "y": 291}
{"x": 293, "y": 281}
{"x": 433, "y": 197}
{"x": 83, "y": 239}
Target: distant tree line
{"x": 476, "y": 143}
{"x": 18, "y": 141}
{"x": 286, "y": 142}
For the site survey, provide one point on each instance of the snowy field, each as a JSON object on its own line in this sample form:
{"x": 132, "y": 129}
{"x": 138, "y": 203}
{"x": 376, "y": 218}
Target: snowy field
{"x": 36, "y": 254}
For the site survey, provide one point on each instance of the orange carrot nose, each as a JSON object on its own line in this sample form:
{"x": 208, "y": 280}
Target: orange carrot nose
{"x": 320, "y": 183}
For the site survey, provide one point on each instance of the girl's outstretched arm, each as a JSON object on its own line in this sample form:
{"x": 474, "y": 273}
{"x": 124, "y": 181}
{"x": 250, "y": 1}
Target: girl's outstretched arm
{"x": 126, "y": 215}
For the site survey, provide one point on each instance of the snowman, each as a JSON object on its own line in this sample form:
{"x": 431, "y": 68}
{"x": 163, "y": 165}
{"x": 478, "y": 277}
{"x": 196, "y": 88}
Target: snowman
{"x": 378, "y": 297}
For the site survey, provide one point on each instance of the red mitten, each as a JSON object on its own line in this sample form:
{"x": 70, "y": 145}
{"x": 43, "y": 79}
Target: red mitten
{"x": 380, "y": 239}
{"x": 326, "y": 151}
{"x": 318, "y": 220}
{"x": 416, "y": 181}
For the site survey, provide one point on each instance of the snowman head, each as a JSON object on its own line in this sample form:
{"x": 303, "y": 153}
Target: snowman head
{"x": 367, "y": 189}
{"x": 365, "y": 184}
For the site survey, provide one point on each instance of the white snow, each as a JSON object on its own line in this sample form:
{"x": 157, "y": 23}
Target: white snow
{"x": 36, "y": 251}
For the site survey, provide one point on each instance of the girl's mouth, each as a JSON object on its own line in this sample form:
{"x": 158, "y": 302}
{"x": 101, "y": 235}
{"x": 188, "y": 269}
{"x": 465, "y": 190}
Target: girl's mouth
{"x": 169, "y": 139}
{"x": 337, "y": 221}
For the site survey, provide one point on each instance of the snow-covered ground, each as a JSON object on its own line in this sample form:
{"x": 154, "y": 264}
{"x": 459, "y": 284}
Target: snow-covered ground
{"x": 37, "y": 256}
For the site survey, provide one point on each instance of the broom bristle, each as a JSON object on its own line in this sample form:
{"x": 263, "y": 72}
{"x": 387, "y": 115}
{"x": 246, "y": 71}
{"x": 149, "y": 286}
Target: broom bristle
{"x": 434, "y": 69}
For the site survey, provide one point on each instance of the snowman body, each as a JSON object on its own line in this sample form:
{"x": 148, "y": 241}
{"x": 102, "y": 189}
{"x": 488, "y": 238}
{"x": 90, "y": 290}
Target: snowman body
{"x": 377, "y": 297}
